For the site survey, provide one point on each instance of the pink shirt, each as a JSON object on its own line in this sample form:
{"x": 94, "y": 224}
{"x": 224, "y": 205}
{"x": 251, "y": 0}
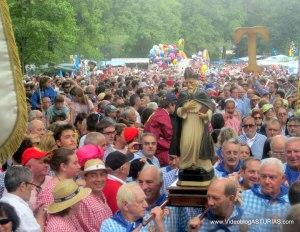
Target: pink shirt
{"x": 92, "y": 211}
{"x": 33, "y": 197}
{"x": 67, "y": 223}
{"x": 45, "y": 197}
{"x": 233, "y": 123}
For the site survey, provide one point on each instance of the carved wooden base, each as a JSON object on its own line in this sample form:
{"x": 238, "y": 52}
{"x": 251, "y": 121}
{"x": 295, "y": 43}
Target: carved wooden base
{"x": 187, "y": 196}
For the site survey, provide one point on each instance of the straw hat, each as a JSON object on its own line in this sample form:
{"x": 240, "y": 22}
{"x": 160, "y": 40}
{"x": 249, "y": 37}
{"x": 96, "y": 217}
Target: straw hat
{"x": 94, "y": 165}
{"x": 66, "y": 194}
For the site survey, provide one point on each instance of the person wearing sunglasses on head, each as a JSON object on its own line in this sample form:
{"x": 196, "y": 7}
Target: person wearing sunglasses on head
{"x": 9, "y": 220}
{"x": 254, "y": 140}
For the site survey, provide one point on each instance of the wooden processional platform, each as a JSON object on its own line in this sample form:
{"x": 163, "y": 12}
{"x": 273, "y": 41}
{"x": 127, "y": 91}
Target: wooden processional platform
{"x": 187, "y": 196}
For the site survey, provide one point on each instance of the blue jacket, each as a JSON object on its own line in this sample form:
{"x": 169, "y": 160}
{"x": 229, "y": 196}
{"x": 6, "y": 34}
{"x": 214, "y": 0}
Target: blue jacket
{"x": 35, "y": 98}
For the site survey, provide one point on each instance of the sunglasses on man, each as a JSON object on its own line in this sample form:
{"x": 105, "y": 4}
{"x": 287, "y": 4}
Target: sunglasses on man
{"x": 4, "y": 221}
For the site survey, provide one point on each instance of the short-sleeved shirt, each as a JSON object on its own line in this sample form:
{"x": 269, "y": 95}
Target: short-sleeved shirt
{"x": 93, "y": 210}
{"x": 67, "y": 223}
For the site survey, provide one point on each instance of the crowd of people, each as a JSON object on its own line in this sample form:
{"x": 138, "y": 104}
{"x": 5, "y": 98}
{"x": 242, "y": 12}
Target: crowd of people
{"x": 100, "y": 152}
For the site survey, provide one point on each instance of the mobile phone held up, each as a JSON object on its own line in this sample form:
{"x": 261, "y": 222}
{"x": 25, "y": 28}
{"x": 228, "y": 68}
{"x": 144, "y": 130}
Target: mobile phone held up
{"x": 138, "y": 146}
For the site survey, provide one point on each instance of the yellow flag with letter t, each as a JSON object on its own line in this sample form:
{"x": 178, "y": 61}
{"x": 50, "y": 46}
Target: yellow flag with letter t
{"x": 13, "y": 110}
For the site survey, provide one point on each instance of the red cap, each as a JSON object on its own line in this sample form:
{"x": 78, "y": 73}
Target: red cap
{"x": 130, "y": 133}
{"x": 32, "y": 153}
{"x": 170, "y": 82}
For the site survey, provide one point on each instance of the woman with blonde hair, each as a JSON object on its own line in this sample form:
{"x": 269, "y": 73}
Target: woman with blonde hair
{"x": 47, "y": 142}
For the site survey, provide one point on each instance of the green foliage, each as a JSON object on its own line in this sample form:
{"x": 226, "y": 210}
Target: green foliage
{"x": 50, "y": 31}
{"x": 44, "y": 30}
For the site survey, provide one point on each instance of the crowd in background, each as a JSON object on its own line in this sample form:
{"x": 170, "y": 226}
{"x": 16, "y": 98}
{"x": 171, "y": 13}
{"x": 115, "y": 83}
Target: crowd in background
{"x": 98, "y": 153}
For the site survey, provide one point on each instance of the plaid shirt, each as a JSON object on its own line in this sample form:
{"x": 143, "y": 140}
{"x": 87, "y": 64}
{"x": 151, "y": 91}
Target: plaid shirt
{"x": 111, "y": 225}
{"x": 168, "y": 179}
{"x": 93, "y": 210}
{"x": 67, "y": 223}
{"x": 2, "y": 186}
{"x": 264, "y": 212}
{"x": 208, "y": 224}
{"x": 45, "y": 197}
{"x": 176, "y": 220}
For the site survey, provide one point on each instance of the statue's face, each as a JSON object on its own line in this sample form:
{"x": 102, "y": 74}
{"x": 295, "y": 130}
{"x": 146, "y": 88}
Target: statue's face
{"x": 191, "y": 84}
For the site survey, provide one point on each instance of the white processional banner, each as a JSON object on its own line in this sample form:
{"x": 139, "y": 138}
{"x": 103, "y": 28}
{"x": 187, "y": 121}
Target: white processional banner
{"x": 13, "y": 113}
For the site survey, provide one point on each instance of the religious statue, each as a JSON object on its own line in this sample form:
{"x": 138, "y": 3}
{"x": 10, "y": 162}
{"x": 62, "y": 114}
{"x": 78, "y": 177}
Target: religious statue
{"x": 195, "y": 110}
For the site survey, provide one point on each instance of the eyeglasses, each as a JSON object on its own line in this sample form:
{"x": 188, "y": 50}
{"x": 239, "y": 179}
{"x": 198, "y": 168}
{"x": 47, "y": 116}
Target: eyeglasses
{"x": 109, "y": 132}
{"x": 149, "y": 143}
{"x": 257, "y": 117}
{"x": 278, "y": 154}
{"x": 293, "y": 125}
{"x": 4, "y": 221}
{"x": 248, "y": 125}
{"x": 37, "y": 187}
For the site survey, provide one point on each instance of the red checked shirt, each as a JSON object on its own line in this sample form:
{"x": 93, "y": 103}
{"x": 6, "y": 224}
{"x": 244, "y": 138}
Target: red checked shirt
{"x": 92, "y": 211}
{"x": 66, "y": 223}
{"x": 45, "y": 197}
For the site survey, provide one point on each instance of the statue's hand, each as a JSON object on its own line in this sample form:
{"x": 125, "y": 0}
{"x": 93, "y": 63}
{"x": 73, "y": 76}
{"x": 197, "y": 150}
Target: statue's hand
{"x": 203, "y": 116}
{"x": 190, "y": 105}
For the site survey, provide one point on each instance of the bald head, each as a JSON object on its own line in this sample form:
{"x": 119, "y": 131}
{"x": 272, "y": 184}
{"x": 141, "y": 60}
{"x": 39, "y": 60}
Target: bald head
{"x": 95, "y": 138}
{"x": 227, "y": 186}
{"x": 277, "y": 146}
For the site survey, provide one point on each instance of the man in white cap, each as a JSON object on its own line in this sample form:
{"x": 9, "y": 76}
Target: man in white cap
{"x": 94, "y": 209}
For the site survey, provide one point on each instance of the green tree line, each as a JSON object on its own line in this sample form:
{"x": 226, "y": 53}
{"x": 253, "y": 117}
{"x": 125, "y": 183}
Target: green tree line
{"x": 50, "y": 31}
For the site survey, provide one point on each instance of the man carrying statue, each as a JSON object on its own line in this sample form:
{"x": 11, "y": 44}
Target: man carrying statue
{"x": 194, "y": 110}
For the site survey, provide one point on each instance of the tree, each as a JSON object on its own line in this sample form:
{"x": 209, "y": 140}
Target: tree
{"x": 44, "y": 30}
{"x": 89, "y": 24}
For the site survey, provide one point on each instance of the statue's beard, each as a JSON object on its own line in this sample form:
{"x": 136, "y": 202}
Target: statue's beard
{"x": 191, "y": 90}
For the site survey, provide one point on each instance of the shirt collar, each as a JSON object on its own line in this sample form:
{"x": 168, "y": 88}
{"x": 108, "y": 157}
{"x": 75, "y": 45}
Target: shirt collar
{"x": 111, "y": 177}
{"x": 16, "y": 198}
{"x": 251, "y": 140}
{"x": 256, "y": 189}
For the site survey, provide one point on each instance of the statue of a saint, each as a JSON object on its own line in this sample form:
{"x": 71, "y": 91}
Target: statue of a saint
{"x": 195, "y": 110}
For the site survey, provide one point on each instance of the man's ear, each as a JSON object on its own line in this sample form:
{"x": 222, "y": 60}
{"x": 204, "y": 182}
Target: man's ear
{"x": 232, "y": 197}
{"x": 58, "y": 143}
{"x": 125, "y": 205}
{"x": 62, "y": 166}
{"x": 22, "y": 186}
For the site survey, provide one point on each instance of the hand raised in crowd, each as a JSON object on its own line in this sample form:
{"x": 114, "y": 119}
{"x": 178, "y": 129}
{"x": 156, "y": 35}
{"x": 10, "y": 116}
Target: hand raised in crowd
{"x": 131, "y": 147}
{"x": 159, "y": 215}
{"x": 138, "y": 228}
{"x": 195, "y": 224}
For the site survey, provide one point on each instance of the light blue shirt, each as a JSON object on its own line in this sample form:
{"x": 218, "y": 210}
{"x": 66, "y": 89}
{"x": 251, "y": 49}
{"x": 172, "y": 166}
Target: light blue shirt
{"x": 139, "y": 154}
{"x": 257, "y": 147}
